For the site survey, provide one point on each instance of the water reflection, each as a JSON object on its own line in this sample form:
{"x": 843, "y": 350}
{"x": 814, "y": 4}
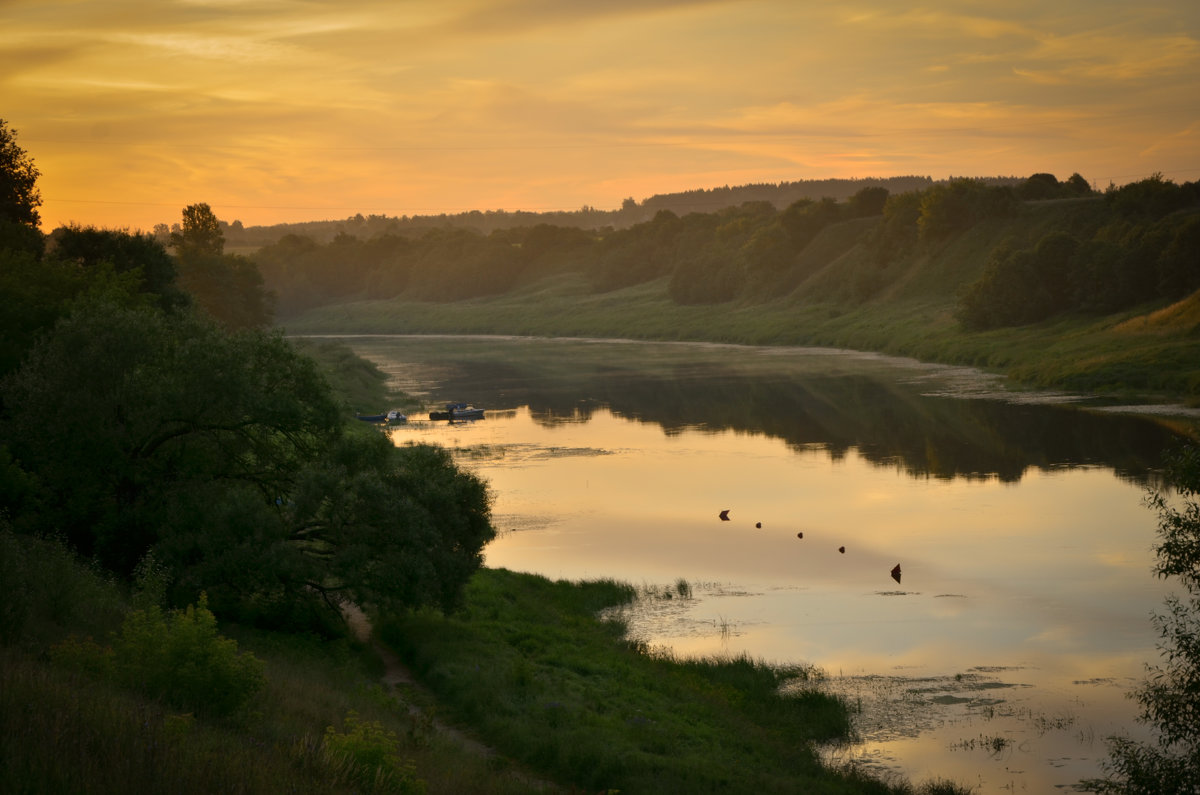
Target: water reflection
{"x": 1025, "y": 550}
{"x": 892, "y": 412}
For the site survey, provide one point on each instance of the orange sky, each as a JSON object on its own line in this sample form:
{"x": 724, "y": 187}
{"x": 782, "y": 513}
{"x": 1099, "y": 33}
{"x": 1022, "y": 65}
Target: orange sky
{"x": 292, "y": 110}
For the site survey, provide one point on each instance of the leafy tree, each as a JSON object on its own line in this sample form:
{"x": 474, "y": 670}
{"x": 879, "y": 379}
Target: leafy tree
{"x": 128, "y": 417}
{"x": 804, "y": 219}
{"x": 960, "y": 204}
{"x": 19, "y": 196}
{"x": 224, "y": 454}
{"x": 867, "y": 202}
{"x": 200, "y": 233}
{"x": 1170, "y": 695}
{"x": 89, "y": 248}
{"x": 1179, "y": 263}
{"x": 228, "y": 287}
{"x": 1039, "y": 186}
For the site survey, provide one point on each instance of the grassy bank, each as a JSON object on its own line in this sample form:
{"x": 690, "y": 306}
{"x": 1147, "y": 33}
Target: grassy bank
{"x": 840, "y": 293}
{"x": 1152, "y": 354}
{"x": 527, "y": 667}
{"x": 531, "y": 669}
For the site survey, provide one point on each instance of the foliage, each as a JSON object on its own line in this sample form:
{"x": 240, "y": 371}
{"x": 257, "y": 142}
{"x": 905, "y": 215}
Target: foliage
{"x": 131, "y": 419}
{"x": 89, "y": 248}
{"x": 956, "y": 206}
{"x": 47, "y": 592}
{"x": 1046, "y": 186}
{"x": 528, "y": 664}
{"x": 1170, "y": 695}
{"x": 370, "y": 754}
{"x": 19, "y": 196}
{"x": 178, "y": 657}
{"x": 1139, "y": 248}
{"x": 224, "y": 454}
{"x": 227, "y": 286}
{"x": 200, "y": 234}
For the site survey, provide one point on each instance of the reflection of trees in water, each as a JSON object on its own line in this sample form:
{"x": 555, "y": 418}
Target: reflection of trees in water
{"x": 887, "y": 421}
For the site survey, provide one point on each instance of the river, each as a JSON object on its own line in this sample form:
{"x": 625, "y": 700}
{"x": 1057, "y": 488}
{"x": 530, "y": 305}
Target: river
{"x": 969, "y": 566}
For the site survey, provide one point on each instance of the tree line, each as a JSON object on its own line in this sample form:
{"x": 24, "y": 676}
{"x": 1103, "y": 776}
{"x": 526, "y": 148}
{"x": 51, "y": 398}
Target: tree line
{"x": 1107, "y": 251}
{"x": 147, "y": 412}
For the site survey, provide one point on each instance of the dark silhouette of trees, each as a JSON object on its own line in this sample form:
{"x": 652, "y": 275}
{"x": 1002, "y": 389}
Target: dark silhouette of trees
{"x": 1143, "y": 245}
{"x": 226, "y": 456}
{"x": 19, "y": 196}
{"x": 227, "y": 286}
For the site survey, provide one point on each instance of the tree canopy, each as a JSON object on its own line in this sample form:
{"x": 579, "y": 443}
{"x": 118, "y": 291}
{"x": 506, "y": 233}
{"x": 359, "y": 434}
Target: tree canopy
{"x": 19, "y": 196}
{"x": 225, "y": 454}
{"x": 136, "y": 423}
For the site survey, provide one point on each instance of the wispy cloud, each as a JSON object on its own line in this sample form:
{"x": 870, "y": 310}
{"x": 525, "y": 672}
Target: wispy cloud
{"x": 462, "y": 104}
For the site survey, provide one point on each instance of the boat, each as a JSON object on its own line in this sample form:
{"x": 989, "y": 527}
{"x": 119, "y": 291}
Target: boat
{"x": 395, "y": 415}
{"x": 371, "y": 417}
{"x": 457, "y": 411}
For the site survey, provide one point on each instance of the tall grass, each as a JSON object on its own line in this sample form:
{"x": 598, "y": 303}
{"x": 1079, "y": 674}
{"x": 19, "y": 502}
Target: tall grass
{"x": 65, "y": 730}
{"x": 530, "y": 667}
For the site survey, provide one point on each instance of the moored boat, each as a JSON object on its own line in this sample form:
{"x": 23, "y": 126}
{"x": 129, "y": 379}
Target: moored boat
{"x": 457, "y": 411}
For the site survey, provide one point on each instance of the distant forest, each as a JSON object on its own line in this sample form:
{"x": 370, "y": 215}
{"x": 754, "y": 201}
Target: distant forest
{"x": 631, "y": 212}
{"x": 1086, "y": 252}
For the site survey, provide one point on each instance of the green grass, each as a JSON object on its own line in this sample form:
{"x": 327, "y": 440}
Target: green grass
{"x": 64, "y": 731}
{"x": 530, "y": 667}
{"x": 850, "y": 301}
{"x": 1079, "y": 353}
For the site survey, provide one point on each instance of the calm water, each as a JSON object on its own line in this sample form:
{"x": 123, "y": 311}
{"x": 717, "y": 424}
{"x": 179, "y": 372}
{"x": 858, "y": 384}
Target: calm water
{"x": 1001, "y": 656}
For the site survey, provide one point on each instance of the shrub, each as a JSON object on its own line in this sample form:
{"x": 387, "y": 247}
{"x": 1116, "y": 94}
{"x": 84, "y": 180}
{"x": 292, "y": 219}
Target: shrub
{"x": 177, "y": 656}
{"x": 366, "y": 753}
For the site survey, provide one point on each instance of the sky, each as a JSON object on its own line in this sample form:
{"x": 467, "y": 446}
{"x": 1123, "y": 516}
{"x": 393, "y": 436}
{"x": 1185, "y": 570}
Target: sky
{"x": 294, "y": 110}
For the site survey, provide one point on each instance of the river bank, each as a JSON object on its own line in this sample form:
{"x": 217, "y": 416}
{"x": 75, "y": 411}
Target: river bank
{"x": 1150, "y": 355}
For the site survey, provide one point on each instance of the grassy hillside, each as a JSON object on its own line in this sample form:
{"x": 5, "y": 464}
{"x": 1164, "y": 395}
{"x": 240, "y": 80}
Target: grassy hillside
{"x": 841, "y": 293}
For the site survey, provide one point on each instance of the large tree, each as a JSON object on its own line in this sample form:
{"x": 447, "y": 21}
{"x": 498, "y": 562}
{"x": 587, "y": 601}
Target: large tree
{"x": 228, "y": 287}
{"x": 19, "y": 196}
{"x": 225, "y": 454}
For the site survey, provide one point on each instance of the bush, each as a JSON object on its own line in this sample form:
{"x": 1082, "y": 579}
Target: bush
{"x": 365, "y": 753}
{"x": 177, "y": 656}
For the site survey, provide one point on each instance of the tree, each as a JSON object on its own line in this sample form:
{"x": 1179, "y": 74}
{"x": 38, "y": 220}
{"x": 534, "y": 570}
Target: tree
{"x": 1170, "y": 695}
{"x": 200, "y": 233}
{"x": 867, "y": 202}
{"x": 19, "y": 196}
{"x": 225, "y": 455}
{"x": 228, "y": 287}
{"x": 90, "y": 248}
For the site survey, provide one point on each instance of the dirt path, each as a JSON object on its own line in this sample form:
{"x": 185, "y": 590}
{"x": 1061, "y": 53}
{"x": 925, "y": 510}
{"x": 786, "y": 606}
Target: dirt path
{"x": 396, "y": 677}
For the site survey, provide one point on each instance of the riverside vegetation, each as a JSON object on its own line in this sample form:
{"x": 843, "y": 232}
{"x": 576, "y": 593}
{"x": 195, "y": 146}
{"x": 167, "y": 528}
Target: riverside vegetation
{"x": 186, "y": 505}
{"x": 1047, "y": 281}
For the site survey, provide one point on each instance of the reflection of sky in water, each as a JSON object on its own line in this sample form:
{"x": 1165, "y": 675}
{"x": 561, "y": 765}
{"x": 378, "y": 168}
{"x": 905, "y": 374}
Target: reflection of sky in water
{"x": 1045, "y": 582}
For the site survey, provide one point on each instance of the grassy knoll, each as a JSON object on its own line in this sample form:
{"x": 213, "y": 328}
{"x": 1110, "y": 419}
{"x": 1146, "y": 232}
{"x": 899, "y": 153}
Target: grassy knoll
{"x": 529, "y": 666}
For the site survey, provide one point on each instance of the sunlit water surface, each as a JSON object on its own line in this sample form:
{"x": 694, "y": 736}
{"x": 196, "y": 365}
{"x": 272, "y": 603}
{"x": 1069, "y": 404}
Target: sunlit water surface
{"x": 1000, "y": 659}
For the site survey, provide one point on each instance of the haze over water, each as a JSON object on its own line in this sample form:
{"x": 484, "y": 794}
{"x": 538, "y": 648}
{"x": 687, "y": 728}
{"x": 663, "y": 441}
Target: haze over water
{"x": 1000, "y": 659}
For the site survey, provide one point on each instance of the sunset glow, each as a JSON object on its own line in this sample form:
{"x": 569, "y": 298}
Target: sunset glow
{"x": 280, "y": 110}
